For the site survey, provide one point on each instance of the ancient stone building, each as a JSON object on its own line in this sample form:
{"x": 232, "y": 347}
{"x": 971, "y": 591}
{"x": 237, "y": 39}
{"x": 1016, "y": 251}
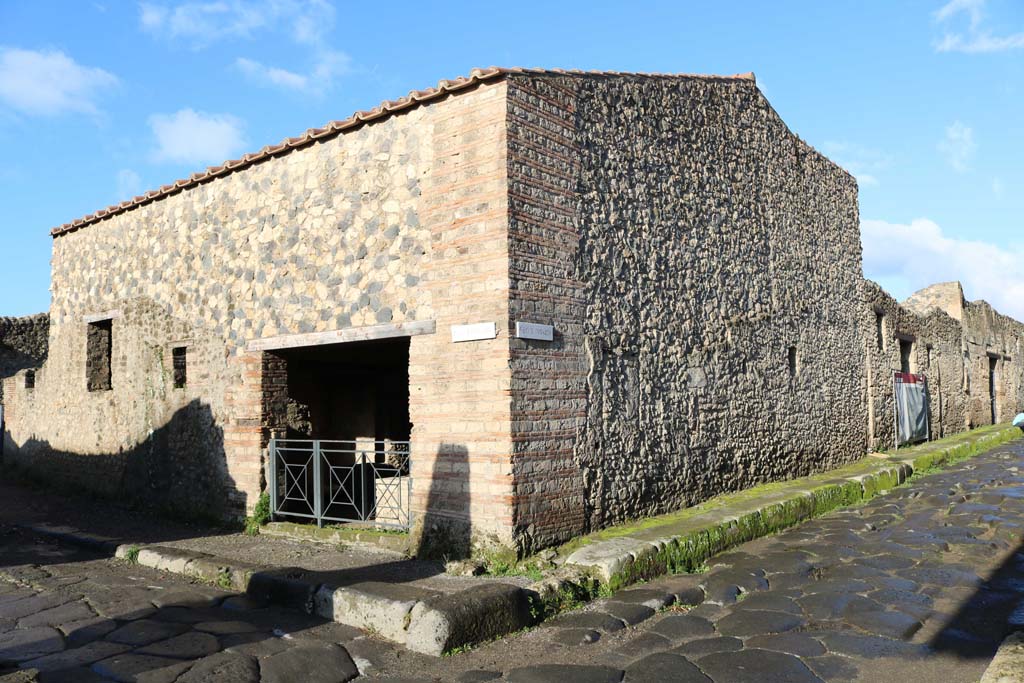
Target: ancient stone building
{"x": 396, "y": 276}
{"x": 23, "y": 344}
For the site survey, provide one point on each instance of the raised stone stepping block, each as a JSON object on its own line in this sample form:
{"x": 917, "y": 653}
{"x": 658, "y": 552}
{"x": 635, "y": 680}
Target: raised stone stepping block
{"x": 145, "y": 631}
{"x": 310, "y": 664}
{"x": 665, "y": 666}
{"x": 756, "y": 666}
{"x": 191, "y": 645}
{"x": 565, "y": 673}
{"x": 757, "y": 622}
{"x": 683, "y": 627}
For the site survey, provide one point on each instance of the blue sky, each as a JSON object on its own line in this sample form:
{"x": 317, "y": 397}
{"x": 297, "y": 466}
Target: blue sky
{"x": 922, "y": 101}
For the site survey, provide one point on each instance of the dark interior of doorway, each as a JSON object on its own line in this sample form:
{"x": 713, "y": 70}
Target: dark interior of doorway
{"x": 347, "y": 392}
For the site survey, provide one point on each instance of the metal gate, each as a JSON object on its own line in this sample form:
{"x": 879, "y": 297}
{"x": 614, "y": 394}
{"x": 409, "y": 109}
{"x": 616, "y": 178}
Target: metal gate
{"x": 337, "y": 481}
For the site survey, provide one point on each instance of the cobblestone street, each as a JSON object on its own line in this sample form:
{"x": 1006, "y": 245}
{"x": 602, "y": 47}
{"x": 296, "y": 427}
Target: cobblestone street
{"x": 920, "y": 584}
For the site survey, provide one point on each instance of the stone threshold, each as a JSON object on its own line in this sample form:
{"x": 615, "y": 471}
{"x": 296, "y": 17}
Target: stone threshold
{"x": 591, "y": 567}
{"x": 374, "y": 538}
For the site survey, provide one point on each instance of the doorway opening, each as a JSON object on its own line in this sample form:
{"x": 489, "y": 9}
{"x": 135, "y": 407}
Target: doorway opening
{"x": 992, "y": 388}
{"x": 906, "y": 355}
{"x": 342, "y": 453}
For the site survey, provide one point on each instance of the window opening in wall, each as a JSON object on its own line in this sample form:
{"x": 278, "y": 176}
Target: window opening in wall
{"x": 99, "y": 342}
{"x": 928, "y": 359}
{"x": 179, "y": 362}
{"x": 879, "y": 331}
{"x": 791, "y": 356}
{"x": 30, "y": 379}
{"x": 906, "y": 353}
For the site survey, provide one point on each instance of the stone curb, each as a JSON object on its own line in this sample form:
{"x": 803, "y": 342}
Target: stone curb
{"x": 1008, "y": 664}
{"x": 619, "y": 562}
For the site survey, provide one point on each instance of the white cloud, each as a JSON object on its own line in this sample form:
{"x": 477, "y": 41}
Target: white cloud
{"x": 201, "y": 23}
{"x": 975, "y": 39}
{"x": 307, "y": 23}
{"x": 958, "y": 146}
{"x": 196, "y": 138}
{"x": 328, "y": 66}
{"x": 913, "y": 256}
{"x": 863, "y": 162}
{"x": 49, "y": 83}
{"x": 129, "y": 184}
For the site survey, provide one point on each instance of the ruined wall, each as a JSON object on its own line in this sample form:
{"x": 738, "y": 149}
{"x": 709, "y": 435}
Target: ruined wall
{"x": 936, "y": 352}
{"x": 360, "y": 229}
{"x": 23, "y": 344}
{"x": 993, "y": 345}
{"x": 681, "y": 239}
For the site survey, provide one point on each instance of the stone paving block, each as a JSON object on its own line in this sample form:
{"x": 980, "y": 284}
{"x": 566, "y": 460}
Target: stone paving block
{"x": 757, "y": 622}
{"x": 679, "y": 627}
{"x": 79, "y": 656}
{"x": 309, "y": 663}
{"x": 791, "y": 643}
{"x": 224, "y": 628}
{"x": 870, "y": 647}
{"x": 145, "y": 631}
{"x": 469, "y": 616}
{"x": 78, "y": 633}
{"x": 223, "y": 666}
{"x": 705, "y": 646}
{"x": 629, "y": 613}
{"x": 18, "y": 609}
{"x": 565, "y": 673}
{"x": 478, "y": 676}
{"x": 756, "y": 666}
{"x": 23, "y": 644}
{"x": 772, "y": 600}
{"x": 192, "y": 645}
{"x": 72, "y": 611}
{"x": 665, "y": 666}
{"x": 167, "y": 674}
{"x": 128, "y": 667}
{"x": 656, "y": 599}
{"x": 196, "y": 596}
{"x": 601, "y": 621}
{"x": 885, "y": 623}
{"x": 254, "y": 644}
{"x": 644, "y": 643}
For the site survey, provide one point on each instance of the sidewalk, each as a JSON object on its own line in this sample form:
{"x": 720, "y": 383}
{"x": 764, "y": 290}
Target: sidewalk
{"x": 416, "y": 604}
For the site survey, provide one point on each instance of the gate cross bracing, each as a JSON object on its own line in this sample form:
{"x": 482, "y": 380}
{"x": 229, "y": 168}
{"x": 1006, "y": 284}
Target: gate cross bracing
{"x": 339, "y": 481}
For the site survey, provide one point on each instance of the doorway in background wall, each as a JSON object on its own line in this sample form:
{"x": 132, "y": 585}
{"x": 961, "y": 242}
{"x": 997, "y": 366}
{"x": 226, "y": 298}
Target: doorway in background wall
{"x": 992, "y": 388}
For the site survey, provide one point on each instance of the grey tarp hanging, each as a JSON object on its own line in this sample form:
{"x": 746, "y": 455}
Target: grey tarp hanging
{"x": 911, "y": 393}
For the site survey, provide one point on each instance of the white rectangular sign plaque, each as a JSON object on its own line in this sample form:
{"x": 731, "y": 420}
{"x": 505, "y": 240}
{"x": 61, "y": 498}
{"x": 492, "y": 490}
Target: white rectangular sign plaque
{"x": 474, "y": 332}
{"x": 535, "y": 331}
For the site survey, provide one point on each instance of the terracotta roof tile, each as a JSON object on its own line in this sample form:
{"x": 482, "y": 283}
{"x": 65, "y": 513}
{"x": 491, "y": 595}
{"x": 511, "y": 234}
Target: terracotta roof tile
{"x": 332, "y": 128}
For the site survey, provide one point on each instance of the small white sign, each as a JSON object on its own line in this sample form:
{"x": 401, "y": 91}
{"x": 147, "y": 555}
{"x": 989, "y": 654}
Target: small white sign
{"x": 474, "y": 332}
{"x": 535, "y": 331}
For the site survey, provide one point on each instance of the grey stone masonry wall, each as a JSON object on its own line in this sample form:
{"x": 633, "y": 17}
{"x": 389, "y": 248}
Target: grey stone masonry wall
{"x": 23, "y": 344}
{"x": 682, "y": 240}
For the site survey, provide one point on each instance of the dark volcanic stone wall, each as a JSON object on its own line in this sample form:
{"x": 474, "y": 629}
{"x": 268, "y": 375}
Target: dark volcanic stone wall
{"x": 682, "y": 240}
{"x": 23, "y": 344}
